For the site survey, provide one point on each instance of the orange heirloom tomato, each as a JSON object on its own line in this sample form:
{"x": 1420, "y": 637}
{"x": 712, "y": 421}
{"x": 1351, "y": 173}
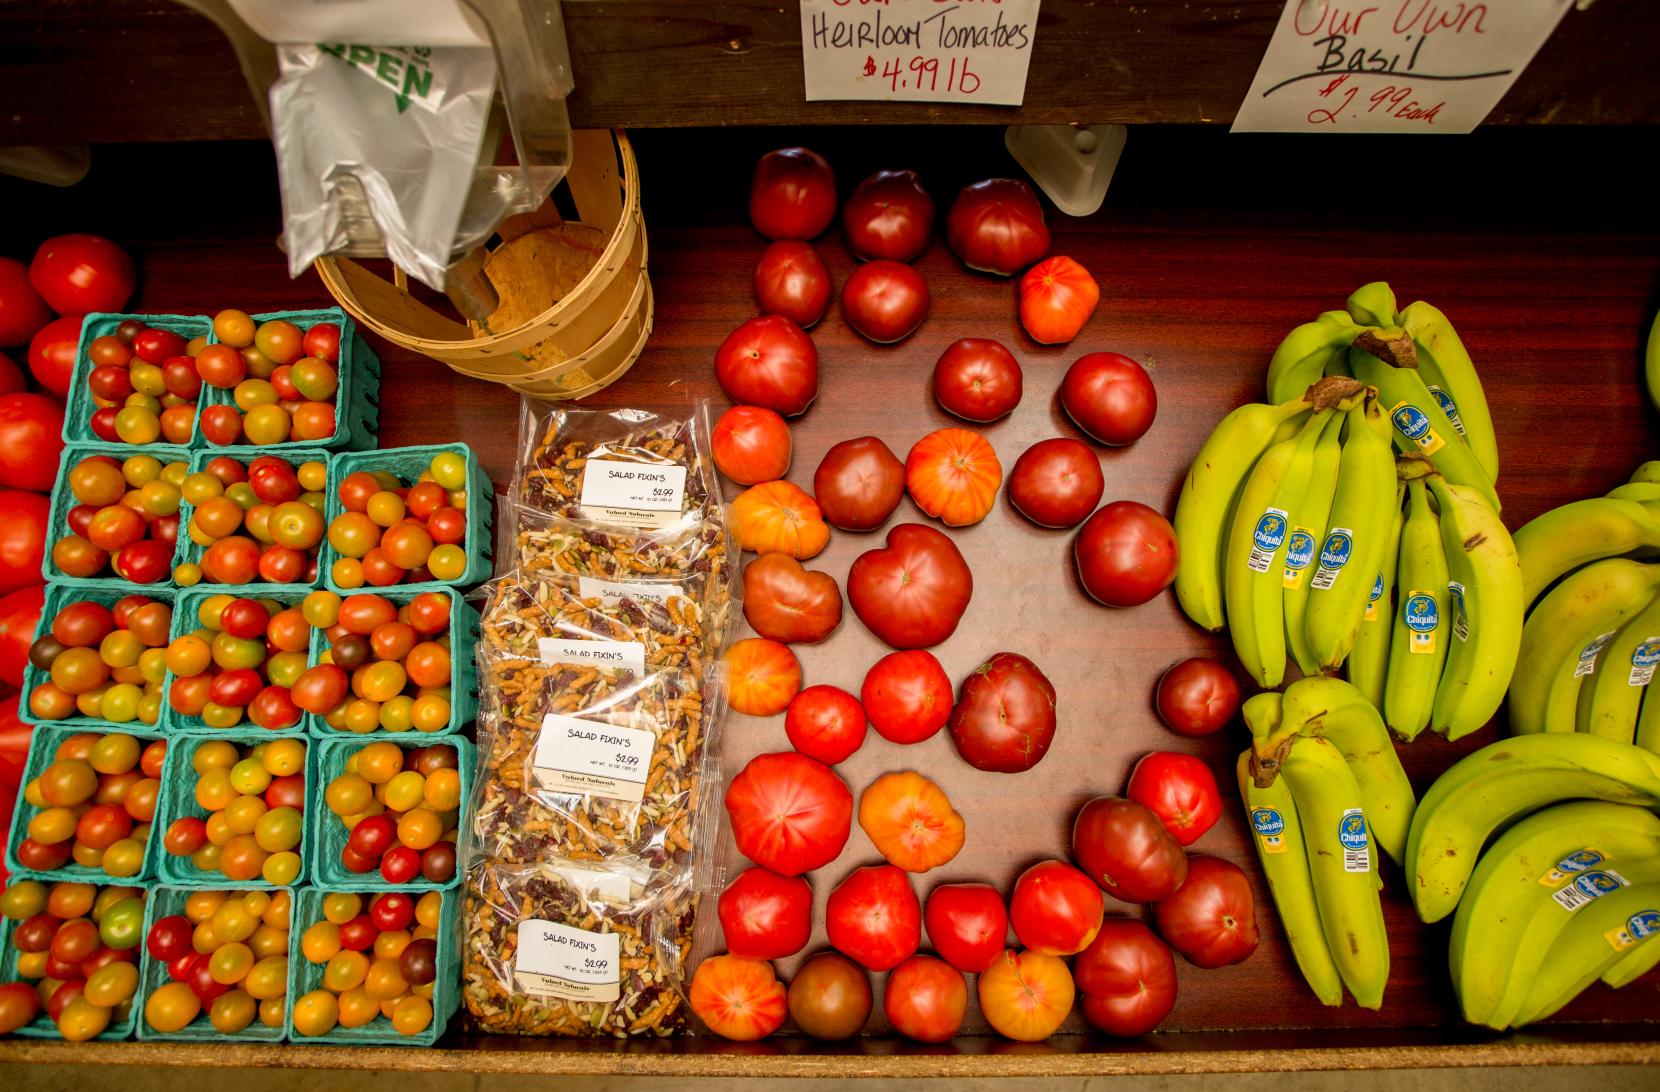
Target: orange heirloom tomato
{"x": 1057, "y": 296}
{"x": 910, "y": 821}
{"x": 781, "y": 517}
{"x": 1026, "y": 995}
{"x": 953, "y": 475}
{"x": 739, "y": 998}
{"x": 763, "y": 675}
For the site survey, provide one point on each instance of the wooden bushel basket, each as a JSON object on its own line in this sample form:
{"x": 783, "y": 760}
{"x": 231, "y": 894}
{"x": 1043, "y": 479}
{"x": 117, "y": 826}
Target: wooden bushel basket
{"x": 575, "y": 346}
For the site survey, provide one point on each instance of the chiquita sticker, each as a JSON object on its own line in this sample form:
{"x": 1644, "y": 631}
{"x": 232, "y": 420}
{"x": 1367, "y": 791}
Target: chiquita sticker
{"x": 1371, "y": 614}
{"x": 1339, "y": 547}
{"x": 1455, "y": 607}
{"x": 1587, "y": 888}
{"x": 1448, "y": 407}
{"x": 1580, "y": 860}
{"x": 1299, "y": 551}
{"x": 1637, "y": 928}
{"x": 1266, "y": 540}
{"x": 1270, "y": 828}
{"x": 1643, "y": 659}
{"x": 1414, "y": 424}
{"x": 1422, "y": 616}
{"x": 1589, "y": 654}
{"x": 1351, "y": 835}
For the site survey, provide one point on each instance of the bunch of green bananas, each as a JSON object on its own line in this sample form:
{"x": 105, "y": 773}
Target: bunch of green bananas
{"x": 1323, "y": 791}
{"x": 1567, "y": 894}
{"x": 1592, "y": 640}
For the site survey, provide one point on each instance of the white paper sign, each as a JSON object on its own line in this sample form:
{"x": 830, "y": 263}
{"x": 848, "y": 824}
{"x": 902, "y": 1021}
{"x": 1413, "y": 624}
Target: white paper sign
{"x": 611, "y": 655}
{"x": 638, "y": 494}
{"x": 562, "y": 961}
{"x": 592, "y": 758}
{"x": 966, "y": 51}
{"x": 1395, "y": 66}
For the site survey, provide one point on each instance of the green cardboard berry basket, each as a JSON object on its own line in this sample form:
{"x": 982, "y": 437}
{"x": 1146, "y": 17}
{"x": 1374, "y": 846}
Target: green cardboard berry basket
{"x": 305, "y": 976}
{"x": 356, "y": 400}
{"x": 464, "y": 625}
{"x": 178, "y": 800}
{"x": 165, "y": 901}
{"x": 186, "y": 619}
{"x": 63, "y": 499}
{"x": 407, "y": 464}
{"x": 190, "y": 552}
{"x": 60, "y": 595}
{"x": 329, "y": 833}
{"x": 42, "y": 1026}
{"x": 77, "y": 416}
{"x": 43, "y": 744}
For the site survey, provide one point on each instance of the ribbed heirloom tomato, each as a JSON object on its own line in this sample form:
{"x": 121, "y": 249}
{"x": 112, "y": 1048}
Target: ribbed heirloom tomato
{"x": 738, "y": 998}
{"x": 788, "y": 603}
{"x": 953, "y": 475}
{"x": 910, "y": 821}
{"x": 764, "y": 915}
{"x": 763, "y": 676}
{"x": 781, "y": 517}
{"x": 858, "y": 484}
{"x": 996, "y": 226}
{"x": 873, "y": 916}
{"x": 789, "y": 812}
{"x": 1057, "y": 296}
{"x": 1026, "y": 995}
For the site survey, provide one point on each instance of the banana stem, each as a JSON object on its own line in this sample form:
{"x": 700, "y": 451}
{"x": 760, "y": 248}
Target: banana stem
{"x": 1394, "y": 348}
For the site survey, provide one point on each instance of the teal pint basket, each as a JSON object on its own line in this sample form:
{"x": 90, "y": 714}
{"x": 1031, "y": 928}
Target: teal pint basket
{"x": 189, "y": 551}
{"x": 305, "y": 976}
{"x": 464, "y": 625}
{"x": 43, "y": 744}
{"x": 178, "y": 800}
{"x": 63, "y": 499}
{"x": 329, "y": 834}
{"x": 60, "y": 595}
{"x": 407, "y": 463}
{"x": 356, "y": 400}
{"x": 186, "y": 609}
{"x": 78, "y": 411}
{"x": 165, "y": 901}
{"x": 42, "y": 1027}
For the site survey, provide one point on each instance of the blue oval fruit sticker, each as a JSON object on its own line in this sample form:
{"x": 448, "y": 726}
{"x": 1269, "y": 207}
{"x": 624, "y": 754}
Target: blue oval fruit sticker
{"x": 1414, "y": 424}
{"x": 1422, "y": 614}
{"x": 1267, "y": 822}
{"x": 1270, "y": 532}
{"x": 1301, "y": 549}
{"x": 1351, "y": 835}
{"x": 1336, "y": 552}
{"x": 1643, "y": 924}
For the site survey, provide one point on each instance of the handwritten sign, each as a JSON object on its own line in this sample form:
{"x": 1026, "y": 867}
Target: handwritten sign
{"x": 1397, "y": 66}
{"x": 967, "y": 51}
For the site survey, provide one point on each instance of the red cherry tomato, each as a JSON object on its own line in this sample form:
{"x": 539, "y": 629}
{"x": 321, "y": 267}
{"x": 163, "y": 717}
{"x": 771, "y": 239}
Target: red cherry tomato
{"x": 977, "y": 379}
{"x": 907, "y": 696}
{"x": 1180, "y": 790}
{"x": 169, "y": 938}
{"x": 1110, "y": 397}
{"x": 1057, "y": 296}
{"x": 889, "y": 216}
{"x": 791, "y": 280}
{"x": 373, "y": 836}
{"x": 967, "y": 924}
{"x": 792, "y": 195}
{"x": 1126, "y": 554}
{"x": 400, "y": 864}
{"x": 885, "y": 301}
{"x": 1197, "y": 697}
{"x": 392, "y": 911}
{"x": 1056, "y": 482}
{"x": 996, "y": 226}
{"x": 82, "y": 273}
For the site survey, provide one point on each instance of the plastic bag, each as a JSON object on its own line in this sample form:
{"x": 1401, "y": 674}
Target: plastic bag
{"x": 556, "y": 949}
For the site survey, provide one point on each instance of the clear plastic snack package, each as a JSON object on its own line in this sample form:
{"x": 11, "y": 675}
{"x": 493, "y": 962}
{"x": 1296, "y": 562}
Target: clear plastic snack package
{"x": 556, "y": 948}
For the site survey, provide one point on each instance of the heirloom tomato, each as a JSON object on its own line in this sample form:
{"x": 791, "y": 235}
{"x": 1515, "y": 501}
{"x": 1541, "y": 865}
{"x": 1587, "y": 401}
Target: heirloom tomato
{"x": 1125, "y": 848}
{"x": 769, "y": 362}
{"x": 977, "y": 379}
{"x": 778, "y": 517}
{"x": 1211, "y": 919}
{"x": 1128, "y": 978}
{"x": 738, "y": 998}
{"x": 925, "y": 999}
{"x": 996, "y": 226}
{"x": 830, "y": 997}
{"x": 873, "y": 916}
{"x": 885, "y": 301}
{"x": 1055, "y": 909}
{"x": 1026, "y": 996}
{"x": 1197, "y": 697}
{"x": 31, "y": 440}
{"x": 1180, "y": 790}
{"x": 889, "y": 216}
{"x": 764, "y": 915}
{"x": 762, "y": 676}
{"x": 22, "y": 311}
{"x": 1110, "y": 397}
{"x": 1004, "y": 719}
{"x": 1126, "y": 554}
{"x": 825, "y": 722}
{"x": 788, "y": 603}
{"x": 910, "y": 821}
{"x": 1056, "y": 482}
{"x": 1057, "y": 296}
{"x": 953, "y": 475}
{"x": 912, "y": 592}
{"x": 23, "y": 519}
{"x": 81, "y": 273}
{"x": 967, "y": 924}
{"x": 858, "y": 484}
{"x": 52, "y": 353}
{"x": 789, "y": 812}
{"x": 907, "y": 696}
{"x": 792, "y": 194}
{"x": 791, "y": 280}
{"x": 752, "y": 445}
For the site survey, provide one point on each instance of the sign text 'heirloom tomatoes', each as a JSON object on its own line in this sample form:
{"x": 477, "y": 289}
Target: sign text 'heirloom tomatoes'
{"x": 858, "y": 484}
{"x": 912, "y": 592}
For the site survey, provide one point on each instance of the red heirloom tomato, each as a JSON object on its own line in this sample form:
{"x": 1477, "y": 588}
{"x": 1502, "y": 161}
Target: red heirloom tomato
{"x": 1180, "y": 790}
{"x": 1056, "y": 482}
{"x": 907, "y": 696}
{"x": 1026, "y": 996}
{"x": 1057, "y": 296}
{"x": 793, "y": 194}
{"x": 789, "y": 813}
{"x": 766, "y": 916}
{"x": 81, "y": 273}
{"x": 910, "y": 821}
{"x": 762, "y": 676}
{"x": 1055, "y": 909}
{"x": 925, "y": 999}
{"x": 830, "y": 997}
{"x": 1197, "y": 697}
{"x": 912, "y": 592}
{"x": 22, "y": 311}
{"x": 52, "y": 353}
{"x": 1004, "y": 719}
{"x": 889, "y": 216}
{"x": 825, "y": 722}
{"x": 1125, "y": 848}
{"x": 885, "y": 301}
{"x": 23, "y": 518}
{"x": 15, "y": 735}
{"x": 996, "y": 226}
{"x": 1212, "y": 917}
{"x": 1128, "y": 978}
{"x": 791, "y": 280}
{"x": 953, "y": 475}
{"x": 967, "y": 924}
{"x": 752, "y": 445}
{"x": 31, "y": 439}
{"x": 873, "y": 916}
{"x": 858, "y": 484}
{"x": 1126, "y": 554}
{"x": 11, "y": 376}
{"x": 1110, "y": 397}
{"x": 788, "y": 603}
{"x": 19, "y": 618}
{"x": 740, "y": 999}
{"x": 769, "y": 362}
{"x": 977, "y": 379}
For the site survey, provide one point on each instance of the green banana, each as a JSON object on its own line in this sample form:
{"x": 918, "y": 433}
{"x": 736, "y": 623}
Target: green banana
{"x": 1451, "y": 379}
{"x": 1610, "y": 699}
{"x": 1253, "y": 568}
{"x": 1515, "y": 884}
{"x": 1635, "y": 965}
{"x": 1648, "y": 723}
{"x": 1577, "y": 534}
{"x": 1597, "y": 938}
{"x": 1484, "y": 594}
{"x": 1504, "y": 781}
{"x": 1636, "y": 491}
{"x": 1647, "y": 472}
{"x": 1373, "y": 305}
{"x": 1306, "y": 537}
{"x": 1305, "y": 354}
{"x": 1421, "y": 426}
{"x": 1565, "y": 635}
{"x": 1354, "y": 546}
{"x": 1418, "y": 645}
{"x": 1278, "y": 836}
{"x": 1212, "y": 488}
{"x": 1651, "y": 362}
{"x": 1340, "y": 857}
{"x": 1368, "y": 663}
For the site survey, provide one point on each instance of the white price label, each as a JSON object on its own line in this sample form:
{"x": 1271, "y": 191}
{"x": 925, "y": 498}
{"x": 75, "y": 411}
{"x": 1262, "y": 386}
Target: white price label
{"x": 1587, "y": 887}
{"x": 637, "y": 494}
{"x": 918, "y": 50}
{"x": 611, "y": 592}
{"x": 592, "y": 758}
{"x": 561, "y": 961}
{"x": 610, "y": 655}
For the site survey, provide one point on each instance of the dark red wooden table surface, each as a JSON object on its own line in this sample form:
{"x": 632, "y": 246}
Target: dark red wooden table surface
{"x": 1207, "y": 252}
